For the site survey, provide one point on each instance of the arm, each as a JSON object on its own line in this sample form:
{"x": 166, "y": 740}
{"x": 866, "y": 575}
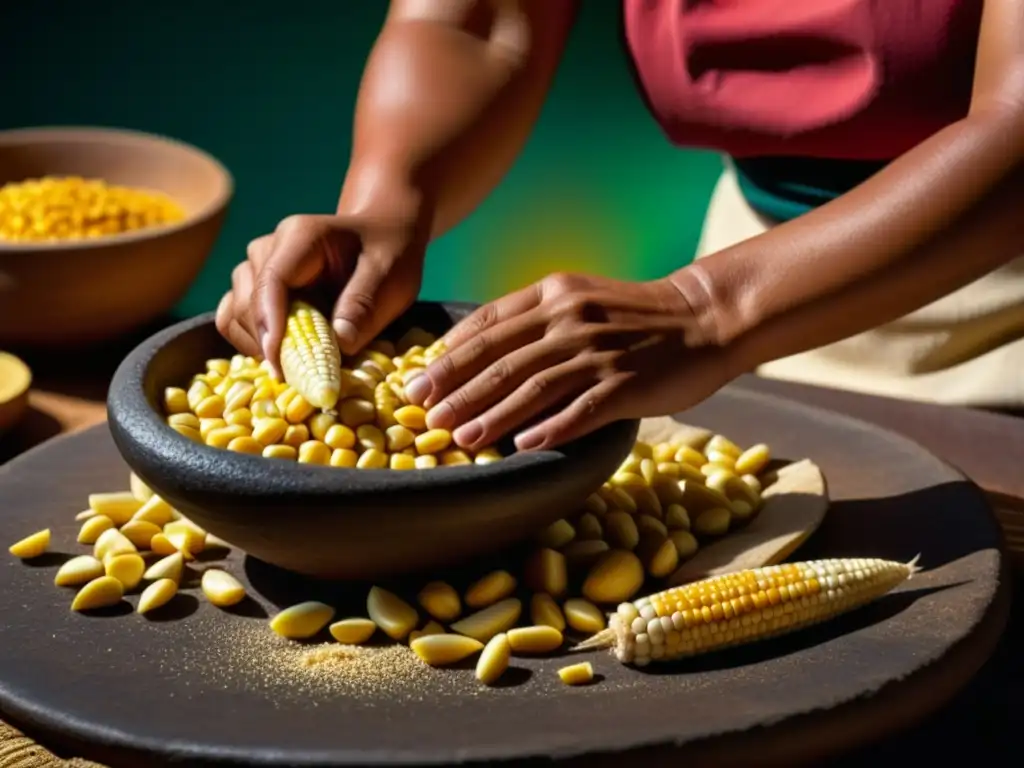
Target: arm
{"x": 939, "y": 217}
{"x": 448, "y": 99}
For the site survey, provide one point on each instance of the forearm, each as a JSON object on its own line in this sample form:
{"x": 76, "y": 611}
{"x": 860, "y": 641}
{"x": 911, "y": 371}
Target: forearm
{"x": 448, "y": 98}
{"x": 940, "y": 217}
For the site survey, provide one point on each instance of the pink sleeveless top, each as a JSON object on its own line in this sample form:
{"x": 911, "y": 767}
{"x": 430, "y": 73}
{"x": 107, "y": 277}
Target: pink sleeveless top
{"x": 844, "y": 79}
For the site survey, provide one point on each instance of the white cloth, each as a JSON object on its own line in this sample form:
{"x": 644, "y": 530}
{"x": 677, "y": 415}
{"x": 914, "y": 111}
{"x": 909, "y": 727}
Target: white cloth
{"x": 965, "y": 349}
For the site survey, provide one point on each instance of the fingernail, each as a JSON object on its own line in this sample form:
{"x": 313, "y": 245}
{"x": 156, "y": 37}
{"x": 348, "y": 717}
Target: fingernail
{"x": 468, "y": 434}
{"x": 345, "y": 331}
{"x": 418, "y": 389}
{"x": 527, "y": 441}
{"x": 264, "y": 335}
{"x": 441, "y": 417}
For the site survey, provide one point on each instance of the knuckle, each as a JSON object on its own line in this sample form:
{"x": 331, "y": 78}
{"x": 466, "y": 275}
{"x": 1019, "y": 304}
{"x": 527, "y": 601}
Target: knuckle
{"x": 477, "y": 347}
{"x": 538, "y": 387}
{"x": 559, "y": 284}
{"x": 446, "y": 366}
{"x": 292, "y": 225}
{"x": 482, "y": 318}
{"x": 361, "y": 302}
{"x": 459, "y": 402}
{"x": 498, "y": 373}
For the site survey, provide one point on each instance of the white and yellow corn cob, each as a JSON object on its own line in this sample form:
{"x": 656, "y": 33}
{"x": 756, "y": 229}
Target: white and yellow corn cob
{"x": 310, "y": 358}
{"x": 745, "y": 606}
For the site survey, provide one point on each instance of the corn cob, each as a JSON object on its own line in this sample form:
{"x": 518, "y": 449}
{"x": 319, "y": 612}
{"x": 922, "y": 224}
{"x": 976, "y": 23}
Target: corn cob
{"x": 743, "y": 607}
{"x": 310, "y": 358}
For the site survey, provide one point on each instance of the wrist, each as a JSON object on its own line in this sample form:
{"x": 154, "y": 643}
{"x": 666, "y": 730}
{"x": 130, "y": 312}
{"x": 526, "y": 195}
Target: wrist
{"x": 384, "y": 192}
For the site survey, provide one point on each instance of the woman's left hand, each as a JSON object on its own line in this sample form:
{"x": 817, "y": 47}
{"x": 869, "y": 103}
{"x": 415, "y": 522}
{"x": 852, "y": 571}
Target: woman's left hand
{"x": 579, "y": 350}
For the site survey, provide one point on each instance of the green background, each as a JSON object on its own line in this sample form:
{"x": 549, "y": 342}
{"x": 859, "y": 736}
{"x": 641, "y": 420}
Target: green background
{"x": 268, "y": 88}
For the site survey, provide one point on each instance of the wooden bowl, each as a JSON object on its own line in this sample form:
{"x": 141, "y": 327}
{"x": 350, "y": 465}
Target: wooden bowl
{"x": 15, "y": 381}
{"x": 329, "y": 522}
{"x": 88, "y": 290}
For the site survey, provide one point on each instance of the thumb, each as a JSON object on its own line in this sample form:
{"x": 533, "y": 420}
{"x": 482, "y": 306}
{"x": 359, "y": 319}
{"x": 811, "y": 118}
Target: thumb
{"x": 380, "y": 289}
{"x": 297, "y": 259}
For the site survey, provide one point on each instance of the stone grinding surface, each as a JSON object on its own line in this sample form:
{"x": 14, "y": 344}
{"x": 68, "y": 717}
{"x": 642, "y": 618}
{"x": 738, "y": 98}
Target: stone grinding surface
{"x": 199, "y": 683}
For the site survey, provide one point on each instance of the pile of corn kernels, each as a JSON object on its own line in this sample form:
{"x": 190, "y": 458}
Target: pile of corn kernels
{"x": 51, "y": 209}
{"x": 238, "y": 405}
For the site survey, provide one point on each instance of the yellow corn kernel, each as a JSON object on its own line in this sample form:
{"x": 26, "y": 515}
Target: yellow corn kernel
{"x": 93, "y": 528}
{"x": 620, "y": 530}
{"x": 443, "y": 650}
{"x": 745, "y": 606}
{"x": 112, "y": 542}
{"x": 355, "y": 411}
{"x": 85, "y": 514}
{"x": 340, "y": 436}
{"x": 440, "y": 600}
{"x": 169, "y": 567}
{"x": 722, "y": 444}
{"x": 355, "y": 631}
{"x": 269, "y": 431}
{"x": 698, "y": 497}
{"x": 485, "y": 624}
{"x": 557, "y": 535}
{"x": 219, "y": 366}
{"x": 372, "y": 459}
{"x": 712, "y": 522}
{"x": 595, "y": 505}
{"x": 222, "y": 387}
{"x": 676, "y": 517}
{"x": 344, "y": 457}
{"x": 577, "y": 674}
{"x": 221, "y": 438}
{"x": 197, "y": 392}
{"x": 714, "y": 467}
{"x": 370, "y": 437}
{"x": 583, "y": 616}
{"x": 545, "y": 611}
{"x": 32, "y": 546}
{"x": 221, "y": 588}
{"x": 246, "y": 445}
{"x": 119, "y": 506}
{"x": 663, "y": 452}
{"x": 285, "y": 397}
{"x": 658, "y": 555}
{"x": 487, "y": 456}
{"x": 161, "y": 545}
{"x": 310, "y": 358}
{"x": 583, "y": 554}
{"x": 616, "y": 498}
{"x": 588, "y": 527}
{"x": 433, "y": 441}
{"x": 402, "y": 461}
{"x": 314, "y": 452}
{"x": 189, "y": 432}
{"x": 157, "y": 595}
{"x": 411, "y": 417}
{"x": 238, "y": 396}
{"x": 264, "y": 407}
{"x": 690, "y": 456}
{"x": 178, "y": 420}
{"x": 206, "y": 426}
{"x": 303, "y": 620}
{"x": 210, "y": 408}
{"x": 741, "y": 510}
{"x": 78, "y": 571}
{"x": 296, "y": 435}
{"x": 319, "y": 424}
{"x": 139, "y": 489}
{"x": 685, "y": 543}
{"x": 176, "y": 400}
{"x": 126, "y": 568}
{"x": 299, "y": 409}
{"x": 99, "y": 593}
{"x": 139, "y": 532}
{"x": 617, "y": 576}
{"x": 391, "y": 613}
{"x": 240, "y": 416}
{"x": 546, "y": 571}
{"x": 720, "y": 458}
{"x": 285, "y": 452}
{"x": 494, "y": 659}
{"x": 454, "y": 457}
{"x": 155, "y": 510}
{"x": 646, "y": 524}
{"x": 426, "y": 462}
{"x": 489, "y": 589}
{"x": 535, "y": 639}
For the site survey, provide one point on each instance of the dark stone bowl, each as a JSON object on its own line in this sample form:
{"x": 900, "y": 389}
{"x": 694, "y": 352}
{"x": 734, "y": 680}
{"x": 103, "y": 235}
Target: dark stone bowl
{"x": 329, "y": 522}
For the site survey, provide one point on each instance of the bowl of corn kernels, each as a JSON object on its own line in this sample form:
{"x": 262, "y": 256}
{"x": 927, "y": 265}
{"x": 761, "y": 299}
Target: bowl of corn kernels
{"x": 101, "y": 230}
{"x": 331, "y": 472}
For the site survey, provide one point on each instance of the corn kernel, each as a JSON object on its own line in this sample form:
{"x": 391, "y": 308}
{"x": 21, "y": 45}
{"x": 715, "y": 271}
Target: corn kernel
{"x": 314, "y": 452}
{"x": 286, "y": 452}
{"x": 344, "y": 457}
{"x": 433, "y": 441}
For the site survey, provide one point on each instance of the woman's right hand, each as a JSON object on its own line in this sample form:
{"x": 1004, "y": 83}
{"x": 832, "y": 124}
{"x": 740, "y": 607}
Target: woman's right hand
{"x": 372, "y": 262}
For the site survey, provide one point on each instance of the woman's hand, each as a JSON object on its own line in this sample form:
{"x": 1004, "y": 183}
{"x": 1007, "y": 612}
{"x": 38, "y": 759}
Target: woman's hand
{"x": 580, "y": 351}
{"x": 371, "y": 264}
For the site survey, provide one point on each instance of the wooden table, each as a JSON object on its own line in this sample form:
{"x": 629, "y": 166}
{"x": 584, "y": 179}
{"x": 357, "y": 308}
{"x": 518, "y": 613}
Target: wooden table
{"x": 70, "y": 389}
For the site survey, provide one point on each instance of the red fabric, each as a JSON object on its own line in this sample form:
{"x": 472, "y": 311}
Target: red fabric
{"x": 846, "y": 79}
